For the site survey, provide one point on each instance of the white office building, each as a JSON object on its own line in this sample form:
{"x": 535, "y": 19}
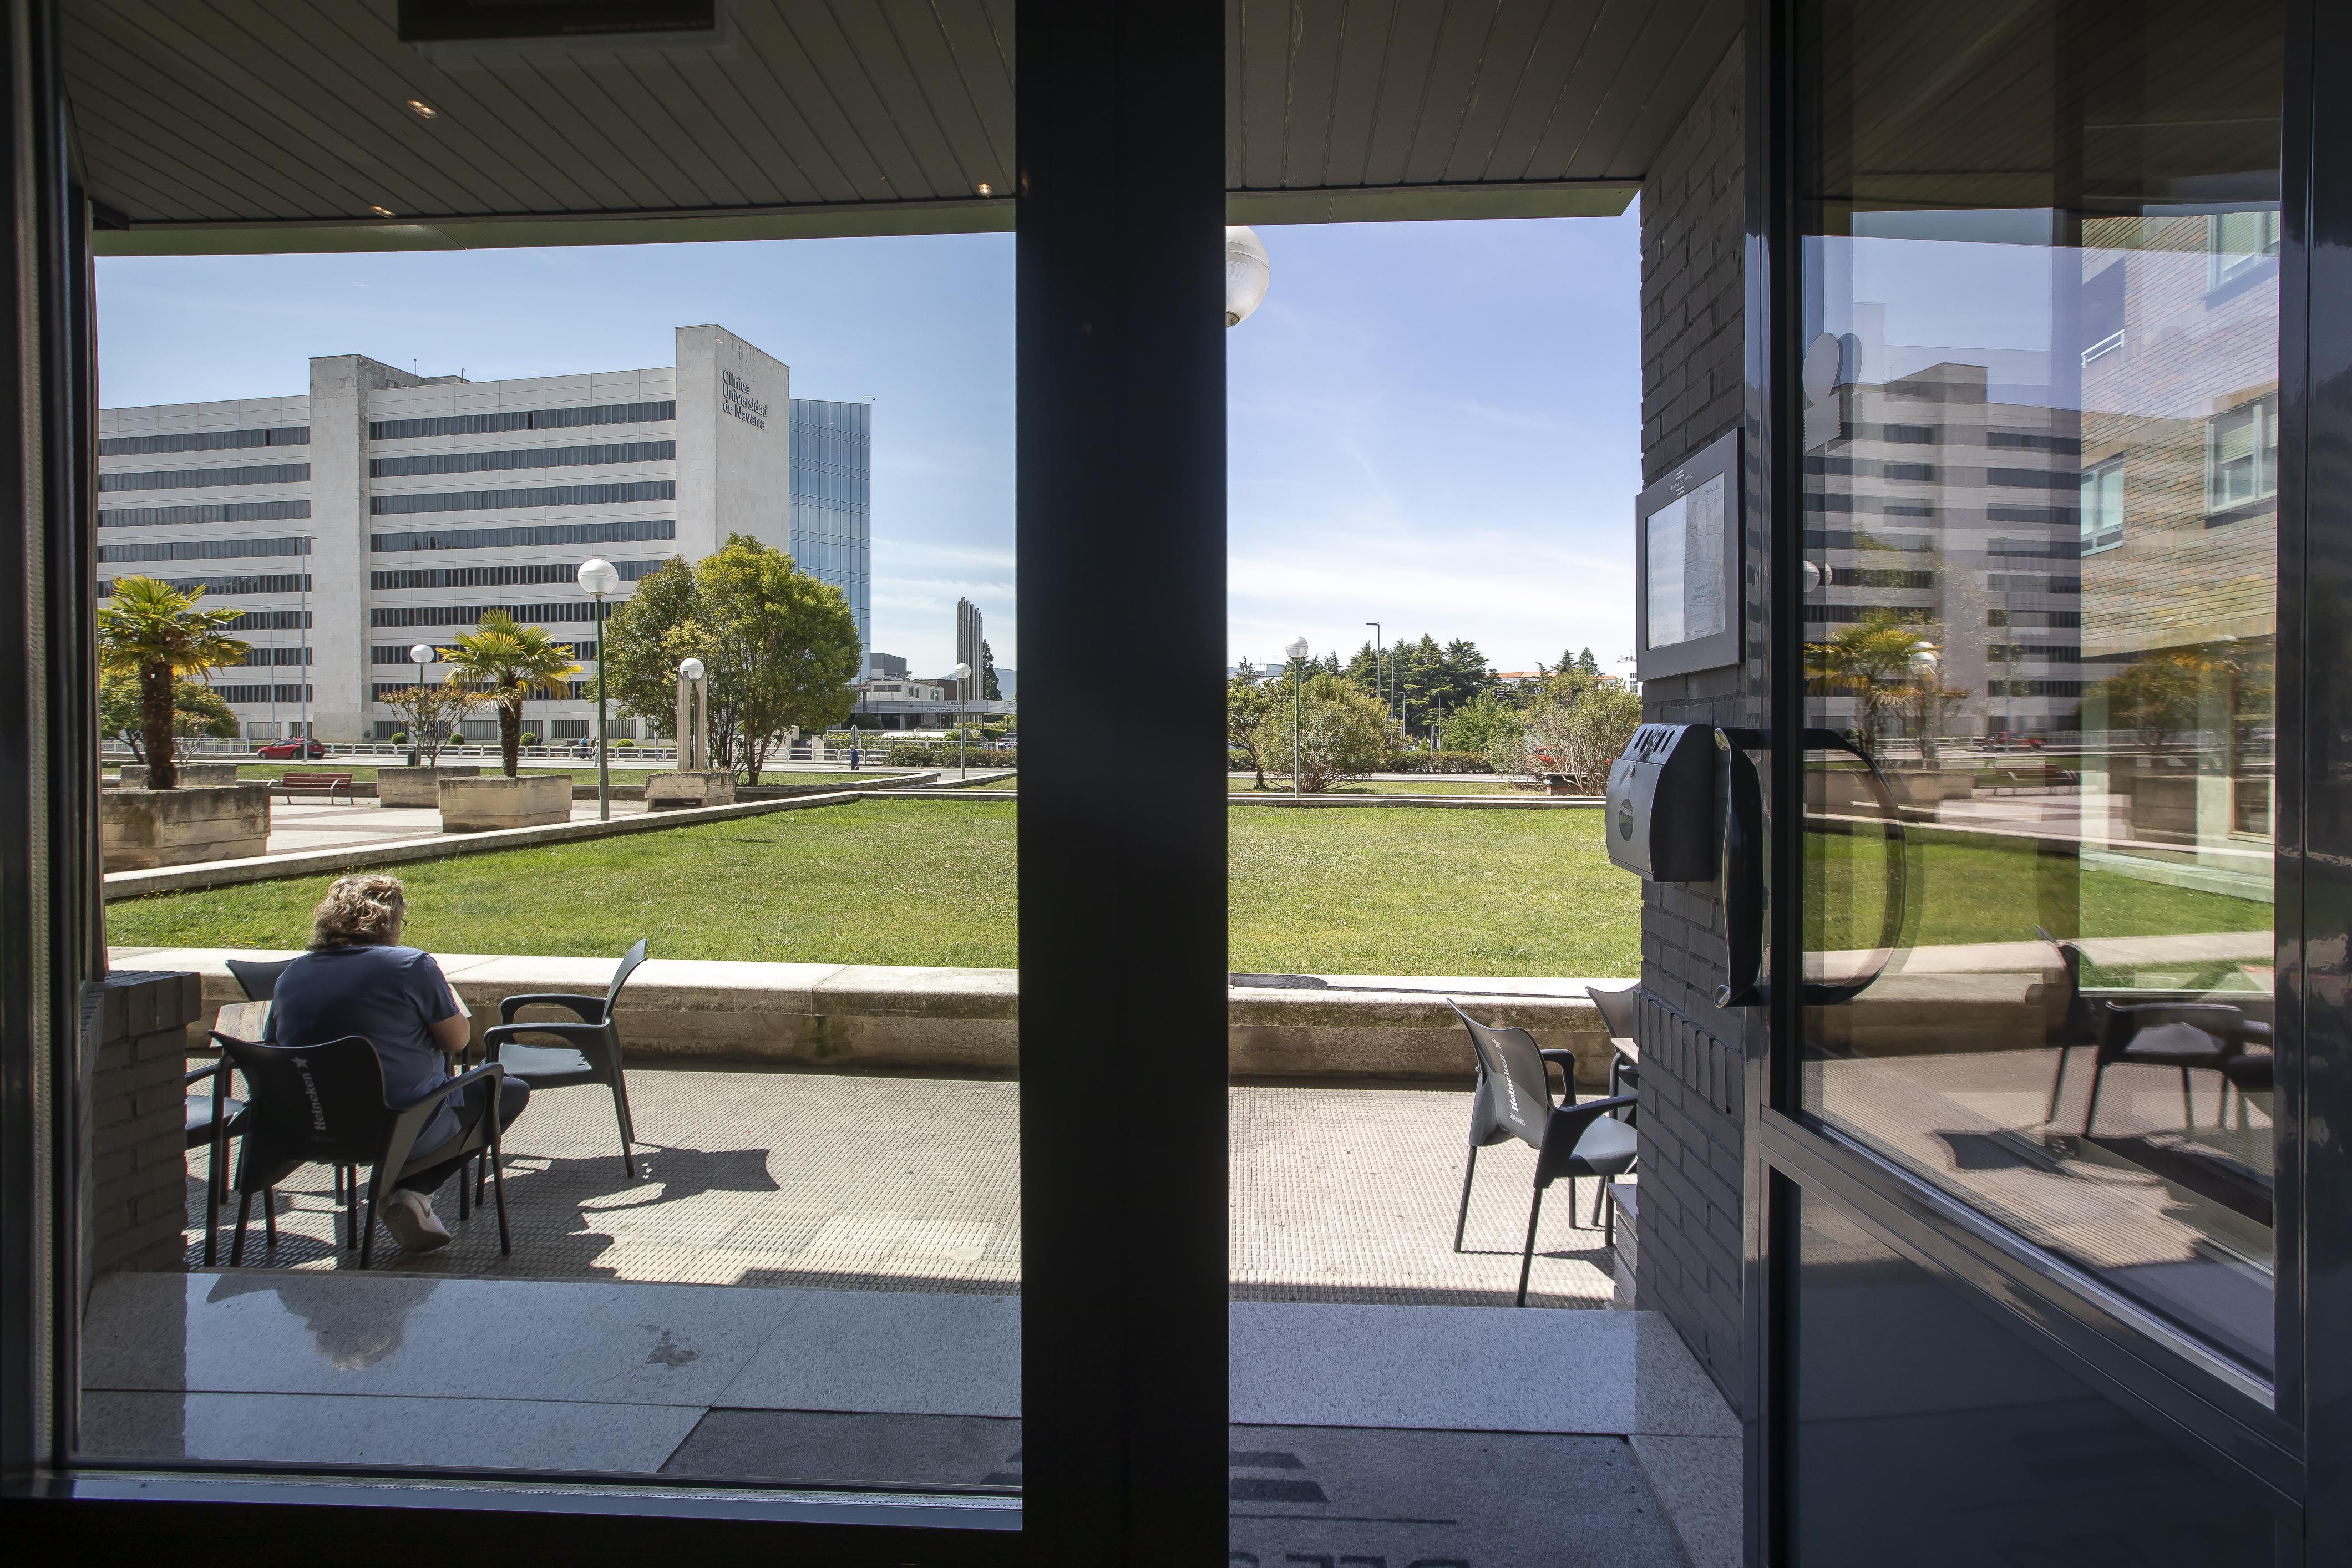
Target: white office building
{"x": 384, "y": 509}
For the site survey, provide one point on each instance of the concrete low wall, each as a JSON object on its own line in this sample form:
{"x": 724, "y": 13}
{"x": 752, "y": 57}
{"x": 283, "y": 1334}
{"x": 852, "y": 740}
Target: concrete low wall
{"x": 497, "y": 803}
{"x": 149, "y": 829}
{"x": 869, "y": 1017}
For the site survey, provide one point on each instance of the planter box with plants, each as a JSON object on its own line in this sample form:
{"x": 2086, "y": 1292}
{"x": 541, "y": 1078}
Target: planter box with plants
{"x": 141, "y": 829}
{"x": 419, "y": 786}
{"x": 135, "y": 774}
{"x": 485, "y": 804}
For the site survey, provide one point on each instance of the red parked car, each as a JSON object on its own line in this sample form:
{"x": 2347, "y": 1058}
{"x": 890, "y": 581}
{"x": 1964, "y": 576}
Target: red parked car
{"x": 280, "y": 748}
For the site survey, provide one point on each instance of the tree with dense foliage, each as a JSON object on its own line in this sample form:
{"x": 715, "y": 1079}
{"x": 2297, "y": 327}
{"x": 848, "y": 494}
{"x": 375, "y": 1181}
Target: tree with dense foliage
{"x": 1428, "y": 679}
{"x": 989, "y": 690}
{"x": 196, "y": 709}
{"x": 1340, "y": 728}
{"x": 2156, "y": 695}
{"x": 1576, "y": 724}
{"x": 1486, "y": 723}
{"x": 1248, "y": 701}
{"x": 155, "y": 634}
{"x": 504, "y": 663}
{"x": 434, "y": 710}
{"x": 780, "y": 649}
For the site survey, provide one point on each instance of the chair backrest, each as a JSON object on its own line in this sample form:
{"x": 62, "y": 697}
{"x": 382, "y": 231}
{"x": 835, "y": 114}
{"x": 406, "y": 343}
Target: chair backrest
{"x": 1513, "y": 1090}
{"x": 629, "y": 961}
{"x": 1616, "y": 1010}
{"x": 2078, "y": 1021}
{"x": 257, "y": 977}
{"x": 322, "y": 1102}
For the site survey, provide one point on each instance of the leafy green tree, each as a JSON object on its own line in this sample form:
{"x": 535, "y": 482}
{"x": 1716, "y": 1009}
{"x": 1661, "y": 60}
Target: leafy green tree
{"x": 1578, "y": 723}
{"x": 434, "y": 709}
{"x": 1341, "y": 732}
{"x": 989, "y": 691}
{"x": 196, "y": 709}
{"x": 1484, "y": 723}
{"x": 1248, "y": 701}
{"x": 505, "y": 662}
{"x": 780, "y": 648}
{"x": 1586, "y": 664}
{"x": 155, "y": 634}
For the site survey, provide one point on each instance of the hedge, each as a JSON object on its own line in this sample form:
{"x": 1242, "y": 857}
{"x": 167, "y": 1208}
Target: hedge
{"x": 937, "y": 754}
{"x": 1440, "y": 762}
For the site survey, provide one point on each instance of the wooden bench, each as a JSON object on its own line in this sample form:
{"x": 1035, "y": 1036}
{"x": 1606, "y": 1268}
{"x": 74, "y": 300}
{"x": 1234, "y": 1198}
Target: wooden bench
{"x": 326, "y": 784}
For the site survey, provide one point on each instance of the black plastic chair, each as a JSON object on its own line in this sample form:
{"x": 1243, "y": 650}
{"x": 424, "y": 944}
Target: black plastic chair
{"x": 2200, "y": 1035}
{"x": 257, "y": 977}
{"x": 590, "y": 1051}
{"x": 215, "y": 1116}
{"x": 1616, "y": 1010}
{"x": 1513, "y": 1100}
{"x": 325, "y": 1104}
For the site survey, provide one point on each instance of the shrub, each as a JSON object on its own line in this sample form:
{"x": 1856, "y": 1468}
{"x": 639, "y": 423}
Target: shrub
{"x": 942, "y": 754}
{"x": 1440, "y": 762}
{"x": 618, "y": 743}
{"x": 528, "y": 738}
{"x": 1482, "y": 725}
{"x": 1344, "y": 732}
{"x": 1236, "y": 760}
{"x": 400, "y": 738}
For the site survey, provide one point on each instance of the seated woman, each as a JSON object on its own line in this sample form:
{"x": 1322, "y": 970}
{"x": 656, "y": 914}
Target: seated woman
{"x": 357, "y": 979}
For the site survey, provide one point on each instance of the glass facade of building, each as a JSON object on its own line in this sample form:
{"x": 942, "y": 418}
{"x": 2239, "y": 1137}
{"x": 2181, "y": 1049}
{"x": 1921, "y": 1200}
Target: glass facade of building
{"x": 832, "y": 502}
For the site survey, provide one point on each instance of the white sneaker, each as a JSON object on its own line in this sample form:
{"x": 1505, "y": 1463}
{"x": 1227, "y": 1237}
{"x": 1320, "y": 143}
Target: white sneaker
{"x": 409, "y": 1216}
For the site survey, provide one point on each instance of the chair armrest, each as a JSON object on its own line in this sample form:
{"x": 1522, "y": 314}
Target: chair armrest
{"x": 498, "y": 1034}
{"x": 413, "y": 1116}
{"x": 1578, "y": 1117}
{"x": 591, "y": 1010}
{"x": 190, "y": 1080}
{"x": 1566, "y": 1062}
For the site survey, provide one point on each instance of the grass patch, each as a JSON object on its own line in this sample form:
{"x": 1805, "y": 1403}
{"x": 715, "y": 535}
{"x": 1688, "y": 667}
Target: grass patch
{"x": 913, "y": 881}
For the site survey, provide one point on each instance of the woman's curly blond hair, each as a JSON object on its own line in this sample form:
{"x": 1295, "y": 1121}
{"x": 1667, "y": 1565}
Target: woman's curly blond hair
{"x": 360, "y": 912}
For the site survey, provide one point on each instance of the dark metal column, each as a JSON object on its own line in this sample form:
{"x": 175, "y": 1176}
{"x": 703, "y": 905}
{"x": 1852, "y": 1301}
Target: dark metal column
{"x": 1120, "y": 120}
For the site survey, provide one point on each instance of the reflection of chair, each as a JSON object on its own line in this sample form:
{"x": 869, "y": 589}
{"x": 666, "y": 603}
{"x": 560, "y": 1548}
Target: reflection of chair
{"x": 1616, "y": 1010}
{"x": 2205, "y": 1036}
{"x": 325, "y": 1104}
{"x": 1513, "y": 1100}
{"x": 590, "y": 1051}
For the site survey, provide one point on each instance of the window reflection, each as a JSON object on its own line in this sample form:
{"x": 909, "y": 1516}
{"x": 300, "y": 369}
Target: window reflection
{"x": 2045, "y": 502}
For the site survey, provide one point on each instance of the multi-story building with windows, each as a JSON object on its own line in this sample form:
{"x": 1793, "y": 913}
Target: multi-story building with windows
{"x": 385, "y": 509}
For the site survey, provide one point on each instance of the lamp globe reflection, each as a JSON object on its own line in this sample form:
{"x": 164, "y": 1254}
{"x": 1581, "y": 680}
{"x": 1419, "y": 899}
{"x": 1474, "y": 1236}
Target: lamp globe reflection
{"x": 1246, "y": 274}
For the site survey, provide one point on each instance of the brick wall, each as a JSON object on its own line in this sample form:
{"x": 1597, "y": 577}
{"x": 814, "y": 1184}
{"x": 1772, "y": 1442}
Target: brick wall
{"x": 1693, "y": 391}
{"x": 137, "y": 1195}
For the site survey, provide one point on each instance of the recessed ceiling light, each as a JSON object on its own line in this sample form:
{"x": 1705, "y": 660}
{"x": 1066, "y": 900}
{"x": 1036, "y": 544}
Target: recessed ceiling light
{"x": 982, "y": 188}
{"x": 381, "y": 212}
{"x": 423, "y": 109}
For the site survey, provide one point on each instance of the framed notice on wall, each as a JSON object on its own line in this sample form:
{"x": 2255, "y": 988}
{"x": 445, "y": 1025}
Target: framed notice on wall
{"x": 1686, "y": 538}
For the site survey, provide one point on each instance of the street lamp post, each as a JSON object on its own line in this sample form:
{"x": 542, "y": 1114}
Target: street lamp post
{"x": 598, "y": 580}
{"x": 421, "y": 654}
{"x": 1298, "y": 652}
{"x": 963, "y": 684}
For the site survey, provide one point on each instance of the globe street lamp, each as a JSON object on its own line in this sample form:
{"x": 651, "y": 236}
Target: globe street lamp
{"x": 1246, "y": 273}
{"x": 421, "y": 656}
{"x": 693, "y": 718}
{"x": 597, "y": 581}
{"x": 1298, "y": 652}
{"x": 963, "y": 683}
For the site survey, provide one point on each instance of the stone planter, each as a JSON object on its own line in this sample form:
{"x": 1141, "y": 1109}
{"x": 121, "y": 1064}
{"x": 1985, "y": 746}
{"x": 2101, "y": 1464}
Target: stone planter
{"x": 142, "y": 829}
{"x": 191, "y": 774}
{"x": 689, "y": 787}
{"x": 416, "y": 786}
{"x": 485, "y": 804}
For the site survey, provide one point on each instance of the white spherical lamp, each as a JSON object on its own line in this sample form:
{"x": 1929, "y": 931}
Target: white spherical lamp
{"x": 1246, "y": 274}
{"x": 691, "y": 669}
{"x": 598, "y": 580}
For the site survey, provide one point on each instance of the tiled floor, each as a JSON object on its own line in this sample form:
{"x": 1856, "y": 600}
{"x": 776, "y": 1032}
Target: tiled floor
{"x": 910, "y": 1183}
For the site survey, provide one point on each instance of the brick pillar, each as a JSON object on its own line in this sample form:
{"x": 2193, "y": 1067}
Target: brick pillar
{"x": 1693, "y": 391}
{"x": 135, "y": 1196}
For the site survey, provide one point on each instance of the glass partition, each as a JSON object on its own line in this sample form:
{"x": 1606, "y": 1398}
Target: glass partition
{"x": 2041, "y": 311}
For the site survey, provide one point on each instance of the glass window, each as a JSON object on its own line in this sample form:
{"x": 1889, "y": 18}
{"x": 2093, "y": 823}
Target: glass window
{"x": 2038, "y": 889}
{"x": 2241, "y": 455}
{"x": 2103, "y": 507}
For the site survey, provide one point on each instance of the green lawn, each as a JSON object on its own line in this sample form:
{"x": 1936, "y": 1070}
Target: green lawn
{"x": 913, "y": 881}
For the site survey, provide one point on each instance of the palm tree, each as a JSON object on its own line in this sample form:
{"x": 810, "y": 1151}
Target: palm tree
{"x": 504, "y": 661}
{"x": 157, "y": 633}
{"x": 1871, "y": 658}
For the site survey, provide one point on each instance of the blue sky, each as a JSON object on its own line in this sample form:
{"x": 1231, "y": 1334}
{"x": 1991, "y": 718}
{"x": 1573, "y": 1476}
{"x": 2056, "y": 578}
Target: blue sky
{"x": 1435, "y": 426}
